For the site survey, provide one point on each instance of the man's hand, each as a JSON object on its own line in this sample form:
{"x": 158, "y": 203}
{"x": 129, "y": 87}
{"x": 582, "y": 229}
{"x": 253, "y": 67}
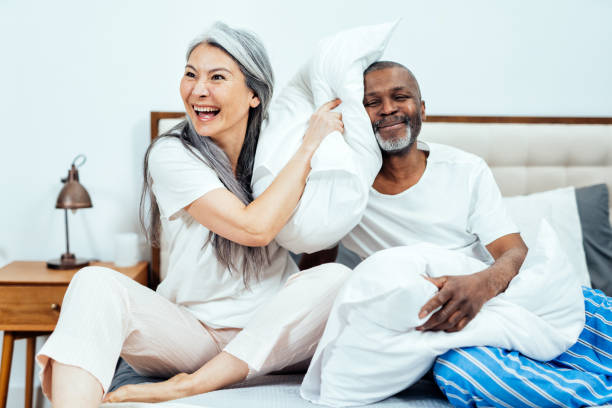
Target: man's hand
{"x": 460, "y": 298}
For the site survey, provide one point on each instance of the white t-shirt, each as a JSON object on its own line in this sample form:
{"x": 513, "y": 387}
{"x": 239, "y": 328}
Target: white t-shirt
{"x": 195, "y": 278}
{"x": 456, "y": 205}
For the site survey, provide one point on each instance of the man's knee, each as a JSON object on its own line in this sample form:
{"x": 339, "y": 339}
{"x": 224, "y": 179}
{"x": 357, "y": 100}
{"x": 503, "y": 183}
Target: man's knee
{"x": 470, "y": 376}
{"x": 451, "y": 367}
{"x": 455, "y": 376}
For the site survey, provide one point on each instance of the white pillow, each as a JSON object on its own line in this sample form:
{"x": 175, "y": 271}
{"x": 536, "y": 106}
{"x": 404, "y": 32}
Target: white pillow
{"x": 560, "y": 209}
{"x": 343, "y": 167}
{"x": 370, "y": 351}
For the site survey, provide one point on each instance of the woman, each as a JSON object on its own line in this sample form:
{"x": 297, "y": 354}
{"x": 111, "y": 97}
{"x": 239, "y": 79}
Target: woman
{"x": 231, "y": 306}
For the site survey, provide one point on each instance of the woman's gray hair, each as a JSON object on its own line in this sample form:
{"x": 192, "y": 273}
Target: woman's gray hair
{"x": 250, "y": 55}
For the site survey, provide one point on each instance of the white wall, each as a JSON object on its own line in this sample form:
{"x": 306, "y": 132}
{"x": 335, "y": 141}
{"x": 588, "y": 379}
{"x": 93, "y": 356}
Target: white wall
{"x": 82, "y": 77}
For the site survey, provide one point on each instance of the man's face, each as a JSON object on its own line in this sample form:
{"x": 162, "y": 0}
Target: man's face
{"x": 393, "y": 102}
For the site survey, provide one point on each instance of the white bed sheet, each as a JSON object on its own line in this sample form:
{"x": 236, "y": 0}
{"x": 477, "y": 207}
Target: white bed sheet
{"x": 282, "y": 391}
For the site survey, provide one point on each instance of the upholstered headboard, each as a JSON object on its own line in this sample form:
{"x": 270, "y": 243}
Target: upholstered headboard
{"x": 532, "y": 154}
{"x": 526, "y": 154}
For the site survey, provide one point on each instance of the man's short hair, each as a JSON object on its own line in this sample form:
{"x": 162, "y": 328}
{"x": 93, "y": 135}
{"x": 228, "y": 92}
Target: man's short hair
{"x": 378, "y": 65}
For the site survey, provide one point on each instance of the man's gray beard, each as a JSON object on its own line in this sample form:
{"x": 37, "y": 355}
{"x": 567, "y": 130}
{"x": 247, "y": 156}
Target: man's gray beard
{"x": 396, "y": 145}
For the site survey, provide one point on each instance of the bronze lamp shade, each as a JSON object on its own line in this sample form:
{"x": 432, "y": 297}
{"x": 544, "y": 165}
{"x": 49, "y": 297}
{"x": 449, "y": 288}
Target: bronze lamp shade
{"x": 72, "y": 197}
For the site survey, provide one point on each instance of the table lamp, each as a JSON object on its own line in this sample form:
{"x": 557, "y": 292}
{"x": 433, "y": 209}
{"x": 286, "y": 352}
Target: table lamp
{"x": 72, "y": 197}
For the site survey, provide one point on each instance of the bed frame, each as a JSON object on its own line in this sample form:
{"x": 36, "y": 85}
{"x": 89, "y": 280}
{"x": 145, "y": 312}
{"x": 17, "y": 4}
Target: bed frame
{"x": 527, "y": 154}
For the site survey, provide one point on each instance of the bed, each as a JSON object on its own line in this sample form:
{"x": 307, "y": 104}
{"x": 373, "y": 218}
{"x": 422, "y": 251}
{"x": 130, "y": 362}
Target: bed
{"x": 527, "y": 155}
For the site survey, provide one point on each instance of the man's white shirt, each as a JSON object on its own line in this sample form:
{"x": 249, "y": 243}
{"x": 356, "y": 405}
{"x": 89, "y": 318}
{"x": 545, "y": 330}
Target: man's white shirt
{"x": 455, "y": 205}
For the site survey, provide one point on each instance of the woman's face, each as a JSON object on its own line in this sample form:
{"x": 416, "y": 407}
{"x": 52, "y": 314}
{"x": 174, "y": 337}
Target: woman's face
{"x": 215, "y": 95}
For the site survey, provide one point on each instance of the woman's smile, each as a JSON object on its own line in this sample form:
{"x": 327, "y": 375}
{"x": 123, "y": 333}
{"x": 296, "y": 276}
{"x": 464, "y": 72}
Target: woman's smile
{"x": 206, "y": 113}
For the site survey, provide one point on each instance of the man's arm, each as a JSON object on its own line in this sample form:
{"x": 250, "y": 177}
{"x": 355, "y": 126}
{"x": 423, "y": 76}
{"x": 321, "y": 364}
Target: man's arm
{"x": 462, "y": 297}
{"x": 318, "y": 258}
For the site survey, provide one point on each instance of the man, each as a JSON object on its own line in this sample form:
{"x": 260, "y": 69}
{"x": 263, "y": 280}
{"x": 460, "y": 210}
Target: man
{"x": 440, "y": 245}
{"x": 393, "y": 102}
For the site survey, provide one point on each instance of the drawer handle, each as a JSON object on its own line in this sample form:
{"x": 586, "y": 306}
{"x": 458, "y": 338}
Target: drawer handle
{"x": 56, "y": 307}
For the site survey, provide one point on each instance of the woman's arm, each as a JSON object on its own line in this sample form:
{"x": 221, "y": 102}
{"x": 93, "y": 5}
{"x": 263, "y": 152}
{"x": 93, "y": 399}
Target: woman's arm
{"x": 259, "y": 222}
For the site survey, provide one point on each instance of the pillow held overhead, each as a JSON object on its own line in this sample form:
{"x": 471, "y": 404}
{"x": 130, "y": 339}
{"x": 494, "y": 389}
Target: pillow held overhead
{"x": 344, "y": 166}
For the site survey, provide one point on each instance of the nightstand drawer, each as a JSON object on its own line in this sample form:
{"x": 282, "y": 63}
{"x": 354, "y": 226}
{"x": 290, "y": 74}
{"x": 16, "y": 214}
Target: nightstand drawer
{"x": 30, "y": 307}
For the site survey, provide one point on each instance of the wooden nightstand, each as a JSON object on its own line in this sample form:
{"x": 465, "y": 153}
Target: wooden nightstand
{"x": 30, "y": 301}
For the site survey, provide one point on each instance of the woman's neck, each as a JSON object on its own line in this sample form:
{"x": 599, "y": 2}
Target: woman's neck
{"x": 233, "y": 152}
{"x": 231, "y": 144}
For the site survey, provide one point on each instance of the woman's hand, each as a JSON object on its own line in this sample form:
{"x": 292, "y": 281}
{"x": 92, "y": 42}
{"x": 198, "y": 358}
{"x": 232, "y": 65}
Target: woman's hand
{"x": 259, "y": 222}
{"x": 322, "y": 123}
{"x": 176, "y": 387}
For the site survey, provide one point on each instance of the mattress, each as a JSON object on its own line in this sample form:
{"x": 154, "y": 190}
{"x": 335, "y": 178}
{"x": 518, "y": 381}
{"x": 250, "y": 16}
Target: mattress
{"x": 275, "y": 391}
{"x": 282, "y": 391}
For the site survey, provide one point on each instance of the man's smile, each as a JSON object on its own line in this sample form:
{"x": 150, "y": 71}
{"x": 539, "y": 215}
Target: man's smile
{"x": 391, "y": 122}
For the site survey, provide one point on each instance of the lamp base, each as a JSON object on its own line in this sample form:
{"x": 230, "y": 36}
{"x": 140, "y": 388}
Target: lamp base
{"x": 67, "y": 261}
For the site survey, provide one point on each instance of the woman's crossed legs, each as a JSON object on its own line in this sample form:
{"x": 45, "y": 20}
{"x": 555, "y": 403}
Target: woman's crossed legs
{"x": 105, "y": 315}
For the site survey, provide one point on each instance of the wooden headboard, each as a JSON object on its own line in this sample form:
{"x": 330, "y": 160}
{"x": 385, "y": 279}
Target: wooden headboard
{"x": 555, "y": 152}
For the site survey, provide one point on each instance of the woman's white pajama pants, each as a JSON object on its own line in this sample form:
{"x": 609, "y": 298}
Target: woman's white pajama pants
{"x": 106, "y": 315}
